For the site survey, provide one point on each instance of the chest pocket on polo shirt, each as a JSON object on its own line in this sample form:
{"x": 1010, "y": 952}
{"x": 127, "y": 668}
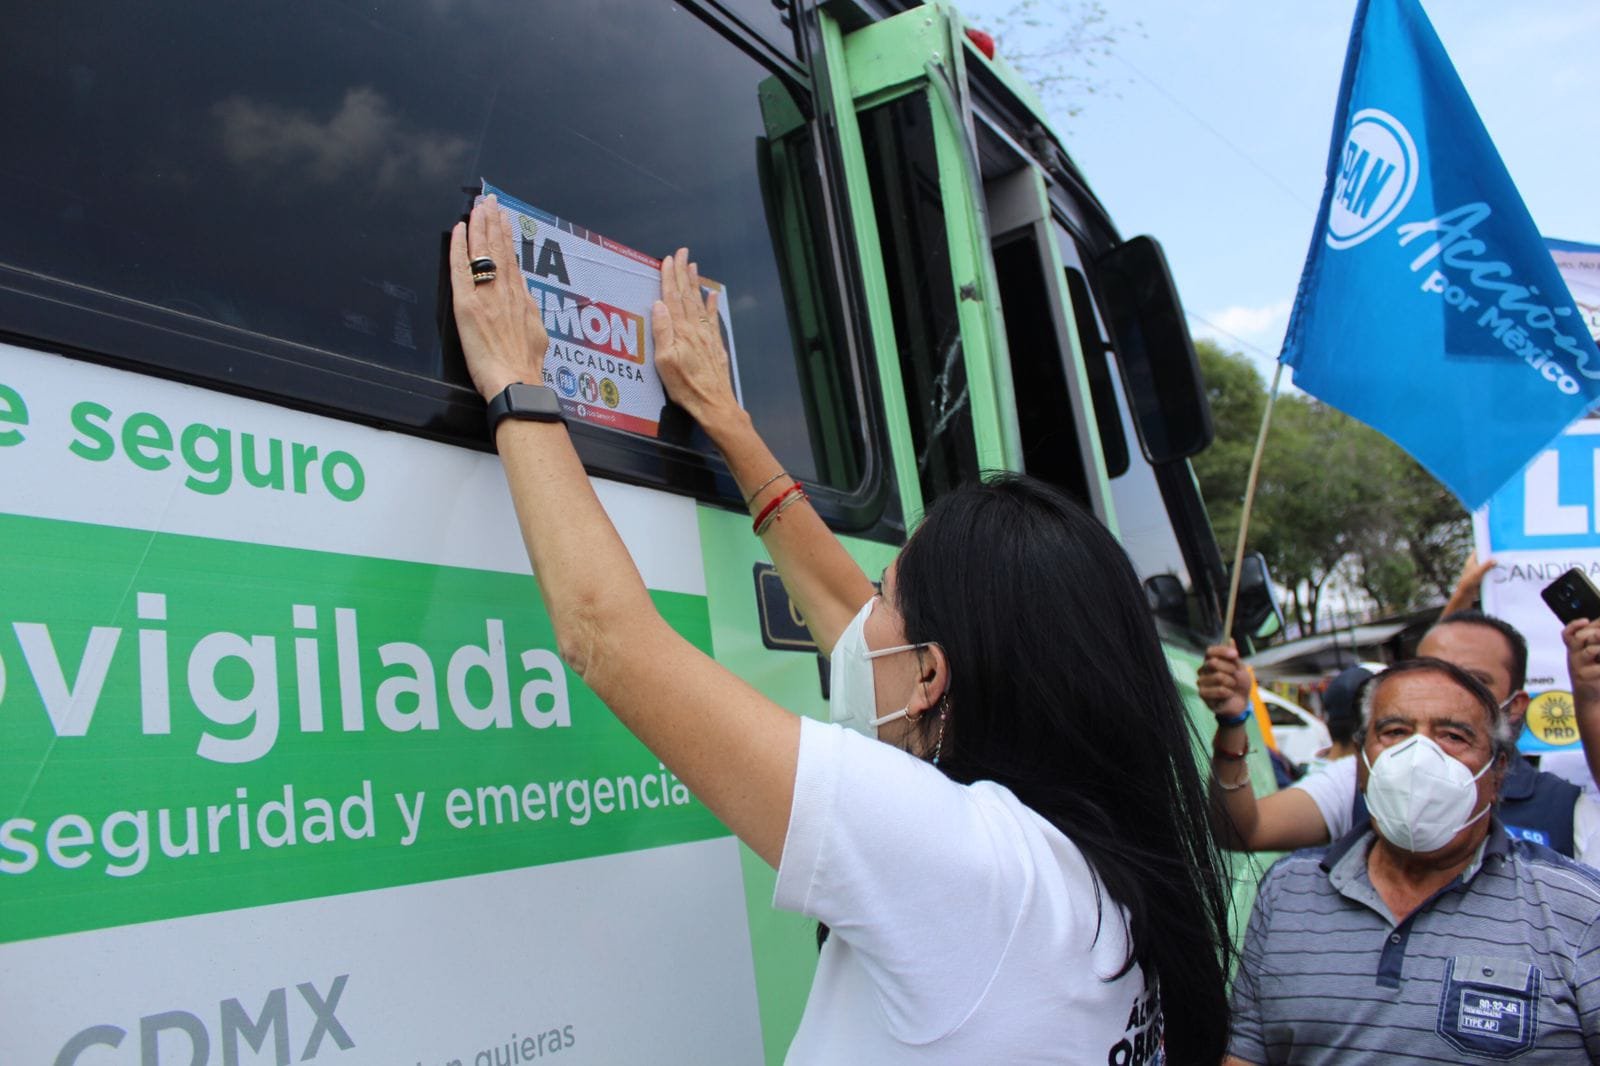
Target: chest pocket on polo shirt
{"x": 1489, "y": 1006}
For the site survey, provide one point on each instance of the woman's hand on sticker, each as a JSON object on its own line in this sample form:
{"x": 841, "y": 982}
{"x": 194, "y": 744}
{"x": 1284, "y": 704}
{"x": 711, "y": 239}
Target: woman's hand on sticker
{"x": 690, "y": 357}
{"x": 501, "y": 332}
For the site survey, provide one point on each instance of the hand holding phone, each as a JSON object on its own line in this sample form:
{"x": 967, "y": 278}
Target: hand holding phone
{"x": 1573, "y": 596}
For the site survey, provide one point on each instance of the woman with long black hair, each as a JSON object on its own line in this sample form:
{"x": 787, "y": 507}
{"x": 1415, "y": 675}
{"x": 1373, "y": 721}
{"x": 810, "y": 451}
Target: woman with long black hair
{"x": 1004, "y": 827}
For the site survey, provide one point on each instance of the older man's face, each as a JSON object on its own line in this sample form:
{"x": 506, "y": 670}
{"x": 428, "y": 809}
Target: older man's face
{"x": 1431, "y": 704}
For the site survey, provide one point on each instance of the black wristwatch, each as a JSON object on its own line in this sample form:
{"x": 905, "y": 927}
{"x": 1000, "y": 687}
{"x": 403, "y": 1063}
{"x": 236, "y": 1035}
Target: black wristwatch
{"x": 535, "y": 403}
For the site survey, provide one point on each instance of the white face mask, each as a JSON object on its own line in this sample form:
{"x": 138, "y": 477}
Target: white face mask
{"x": 852, "y": 694}
{"x": 1419, "y": 796}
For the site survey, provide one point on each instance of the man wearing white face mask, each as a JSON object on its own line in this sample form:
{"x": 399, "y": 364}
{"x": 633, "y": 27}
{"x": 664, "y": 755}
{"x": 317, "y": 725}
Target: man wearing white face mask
{"x": 1323, "y": 807}
{"x": 1439, "y": 936}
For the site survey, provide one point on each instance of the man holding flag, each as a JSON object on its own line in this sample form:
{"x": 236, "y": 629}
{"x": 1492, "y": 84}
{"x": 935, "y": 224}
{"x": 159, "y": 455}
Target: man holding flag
{"x": 1430, "y": 309}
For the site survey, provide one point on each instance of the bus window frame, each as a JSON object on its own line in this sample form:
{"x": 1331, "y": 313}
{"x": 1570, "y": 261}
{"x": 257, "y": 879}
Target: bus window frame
{"x": 748, "y": 35}
{"x": 918, "y": 53}
{"x": 74, "y": 320}
{"x": 1019, "y": 206}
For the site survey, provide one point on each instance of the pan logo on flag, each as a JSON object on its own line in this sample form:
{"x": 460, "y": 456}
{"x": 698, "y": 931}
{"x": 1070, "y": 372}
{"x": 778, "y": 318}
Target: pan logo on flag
{"x": 1375, "y": 179}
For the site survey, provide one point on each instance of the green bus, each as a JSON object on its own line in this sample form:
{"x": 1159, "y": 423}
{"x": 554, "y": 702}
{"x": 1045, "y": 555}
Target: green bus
{"x": 289, "y": 768}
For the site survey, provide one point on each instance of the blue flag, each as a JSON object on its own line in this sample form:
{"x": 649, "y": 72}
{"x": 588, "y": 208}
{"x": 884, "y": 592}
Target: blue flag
{"x": 1430, "y": 308}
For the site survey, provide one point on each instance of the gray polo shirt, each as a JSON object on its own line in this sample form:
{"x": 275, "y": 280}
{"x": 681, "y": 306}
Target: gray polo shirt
{"x": 1502, "y": 963}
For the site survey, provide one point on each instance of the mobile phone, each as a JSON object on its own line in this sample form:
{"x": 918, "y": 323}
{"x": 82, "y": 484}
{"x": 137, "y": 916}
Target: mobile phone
{"x": 1572, "y": 596}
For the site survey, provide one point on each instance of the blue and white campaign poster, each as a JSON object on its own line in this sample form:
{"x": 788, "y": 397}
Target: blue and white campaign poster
{"x": 1544, "y": 522}
{"x": 1430, "y": 308}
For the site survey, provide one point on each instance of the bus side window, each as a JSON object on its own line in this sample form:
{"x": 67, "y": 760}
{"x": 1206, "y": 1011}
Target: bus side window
{"x": 254, "y": 198}
{"x": 904, "y": 177}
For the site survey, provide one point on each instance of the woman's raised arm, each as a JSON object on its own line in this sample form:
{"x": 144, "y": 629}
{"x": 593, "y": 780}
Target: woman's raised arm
{"x": 734, "y": 748}
{"x": 823, "y": 580}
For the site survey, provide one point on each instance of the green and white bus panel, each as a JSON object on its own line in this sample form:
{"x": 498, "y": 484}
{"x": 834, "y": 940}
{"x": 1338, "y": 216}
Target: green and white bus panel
{"x": 289, "y": 768}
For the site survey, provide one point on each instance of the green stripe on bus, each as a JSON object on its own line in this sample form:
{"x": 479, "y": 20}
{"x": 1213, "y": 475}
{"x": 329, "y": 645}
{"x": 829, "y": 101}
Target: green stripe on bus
{"x": 451, "y": 742}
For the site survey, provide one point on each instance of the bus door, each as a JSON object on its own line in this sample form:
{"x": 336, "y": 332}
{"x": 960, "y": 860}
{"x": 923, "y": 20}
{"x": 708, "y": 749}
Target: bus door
{"x": 917, "y": 214}
{"x": 1018, "y": 329}
{"x": 956, "y": 223}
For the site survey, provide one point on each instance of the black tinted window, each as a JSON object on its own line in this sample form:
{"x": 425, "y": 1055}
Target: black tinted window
{"x": 1038, "y": 373}
{"x": 288, "y": 170}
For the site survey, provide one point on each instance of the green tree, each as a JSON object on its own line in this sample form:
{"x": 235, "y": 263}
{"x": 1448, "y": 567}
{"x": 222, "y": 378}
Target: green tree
{"x": 1237, "y": 396}
{"x": 1333, "y": 496}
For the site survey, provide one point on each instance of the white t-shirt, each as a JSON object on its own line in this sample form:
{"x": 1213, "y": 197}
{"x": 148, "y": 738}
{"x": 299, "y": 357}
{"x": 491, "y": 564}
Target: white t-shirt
{"x": 963, "y": 924}
{"x": 1333, "y": 790}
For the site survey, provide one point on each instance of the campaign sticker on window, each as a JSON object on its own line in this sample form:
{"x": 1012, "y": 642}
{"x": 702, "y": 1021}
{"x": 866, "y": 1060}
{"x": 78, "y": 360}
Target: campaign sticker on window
{"x": 594, "y": 295}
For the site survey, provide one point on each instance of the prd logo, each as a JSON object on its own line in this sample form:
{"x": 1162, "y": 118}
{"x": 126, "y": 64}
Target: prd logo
{"x": 567, "y": 381}
{"x": 1552, "y": 718}
{"x": 609, "y": 393}
{"x": 588, "y": 387}
{"x": 1375, "y": 179}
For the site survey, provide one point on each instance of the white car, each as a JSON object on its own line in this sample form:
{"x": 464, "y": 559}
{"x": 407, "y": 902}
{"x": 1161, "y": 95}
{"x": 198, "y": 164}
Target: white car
{"x": 1299, "y": 733}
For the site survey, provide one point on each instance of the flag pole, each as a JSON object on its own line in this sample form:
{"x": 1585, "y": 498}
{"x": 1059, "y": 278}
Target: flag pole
{"x": 1249, "y": 502}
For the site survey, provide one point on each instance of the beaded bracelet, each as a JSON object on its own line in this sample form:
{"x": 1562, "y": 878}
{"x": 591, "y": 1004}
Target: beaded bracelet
{"x": 764, "y": 519}
{"x": 1220, "y": 752}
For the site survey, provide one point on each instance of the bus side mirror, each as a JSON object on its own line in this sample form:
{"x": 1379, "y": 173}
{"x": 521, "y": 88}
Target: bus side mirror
{"x": 1257, "y": 615}
{"x": 1159, "y": 368}
{"x": 1167, "y": 599}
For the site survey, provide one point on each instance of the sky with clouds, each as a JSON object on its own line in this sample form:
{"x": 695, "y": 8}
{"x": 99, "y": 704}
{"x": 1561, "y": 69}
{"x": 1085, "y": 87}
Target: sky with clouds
{"x": 1210, "y": 131}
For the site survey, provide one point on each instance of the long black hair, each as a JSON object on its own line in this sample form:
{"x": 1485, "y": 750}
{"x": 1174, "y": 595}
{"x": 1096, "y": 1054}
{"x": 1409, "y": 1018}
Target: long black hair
{"x": 1059, "y": 690}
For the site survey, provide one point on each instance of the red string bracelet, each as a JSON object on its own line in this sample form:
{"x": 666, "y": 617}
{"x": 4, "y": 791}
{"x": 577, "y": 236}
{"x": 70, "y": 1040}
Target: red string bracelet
{"x": 1220, "y": 752}
{"x": 760, "y": 524}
